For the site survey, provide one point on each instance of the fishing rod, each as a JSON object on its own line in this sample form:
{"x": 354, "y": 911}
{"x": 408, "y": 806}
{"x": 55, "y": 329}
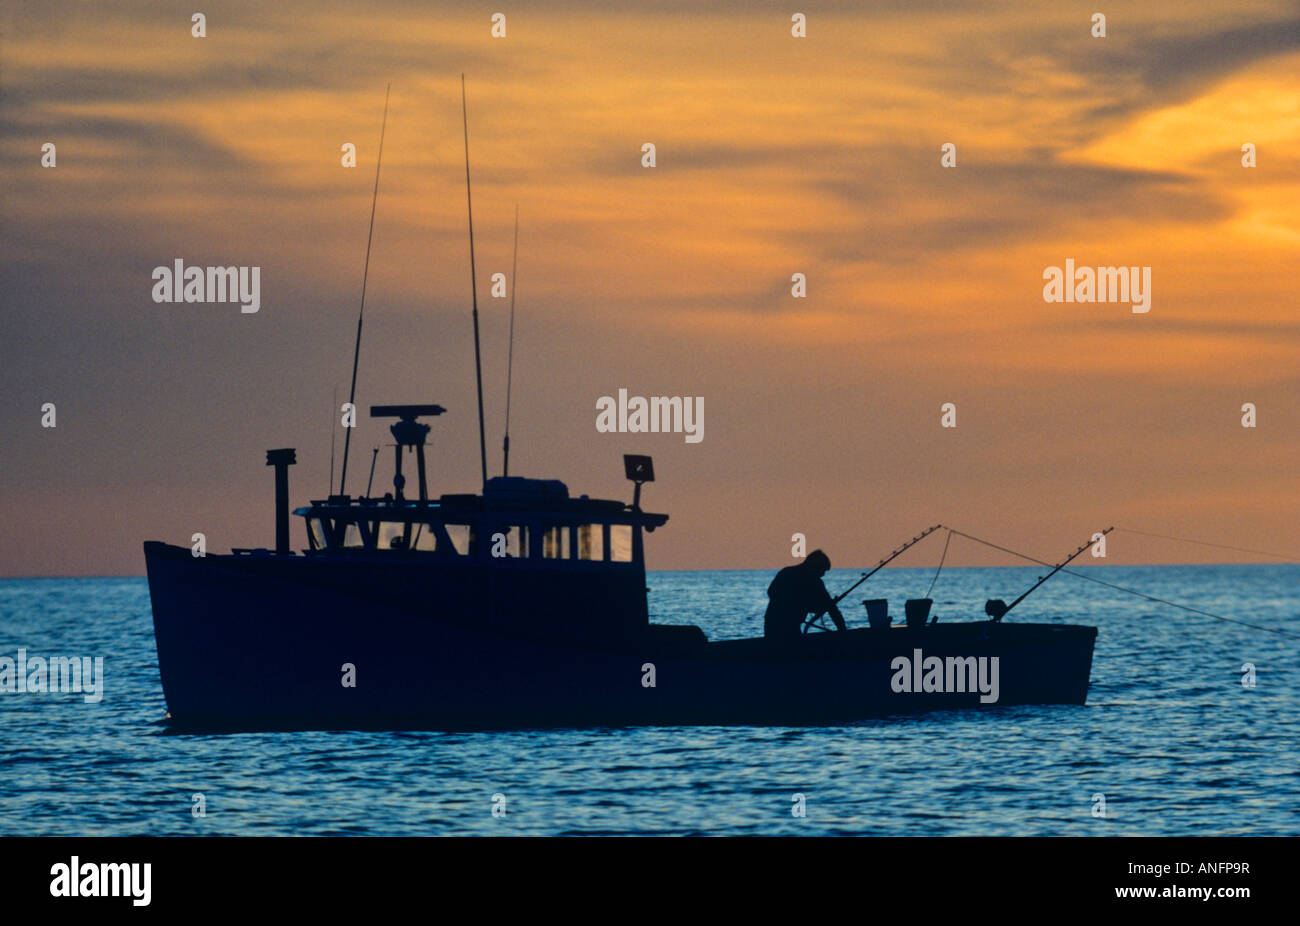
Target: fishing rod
{"x": 1128, "y": 591}
{"x": 997, "y": 609}
{"x": 365, "y": 274}
{"x": 510, "y": 360}
{"x": 473, "y": 285}
{"x": 884, "y": 562}
{"x": 815, "y": 620}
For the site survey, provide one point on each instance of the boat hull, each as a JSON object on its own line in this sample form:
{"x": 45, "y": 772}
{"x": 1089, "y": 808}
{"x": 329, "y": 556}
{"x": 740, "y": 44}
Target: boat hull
{"x": 243, "y": 645}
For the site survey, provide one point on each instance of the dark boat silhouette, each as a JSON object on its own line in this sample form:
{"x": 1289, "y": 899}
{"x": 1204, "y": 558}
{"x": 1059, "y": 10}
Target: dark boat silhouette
{"x": 439, "y": 633}
{"x": 525, "y": 606}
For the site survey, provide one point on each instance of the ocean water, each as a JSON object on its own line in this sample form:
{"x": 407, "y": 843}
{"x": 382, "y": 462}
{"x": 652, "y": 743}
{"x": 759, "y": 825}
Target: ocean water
{"x": 1170, "y": 737}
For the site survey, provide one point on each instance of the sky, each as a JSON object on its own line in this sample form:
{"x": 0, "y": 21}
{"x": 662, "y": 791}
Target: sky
{"x": 775, "y": 155}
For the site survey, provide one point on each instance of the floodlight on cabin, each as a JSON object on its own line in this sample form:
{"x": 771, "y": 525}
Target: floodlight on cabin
{"x": 639, "y": 469}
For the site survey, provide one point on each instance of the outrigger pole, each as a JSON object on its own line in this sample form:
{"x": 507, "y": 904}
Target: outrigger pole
{"x": 997, "y": 609}
{"x": 334, "y": 403}
{"x": 510, "y": 361}
{"x": 473, "y": 284}
{"x": 365, "y": 274}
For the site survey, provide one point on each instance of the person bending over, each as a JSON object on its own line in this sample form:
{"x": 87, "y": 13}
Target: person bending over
{"x": 796, "y": 592}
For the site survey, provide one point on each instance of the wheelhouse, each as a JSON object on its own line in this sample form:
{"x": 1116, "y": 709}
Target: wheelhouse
{"x": 514, "y": 519}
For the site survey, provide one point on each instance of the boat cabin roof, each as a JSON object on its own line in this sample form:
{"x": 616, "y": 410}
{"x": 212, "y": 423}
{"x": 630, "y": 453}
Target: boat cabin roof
{"x": 561, "y": 526}
{"x": 539, "y": 499}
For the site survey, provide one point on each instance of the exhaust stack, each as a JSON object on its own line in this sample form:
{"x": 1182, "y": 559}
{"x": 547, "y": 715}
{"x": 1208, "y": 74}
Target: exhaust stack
{"x": 281, "y": 460}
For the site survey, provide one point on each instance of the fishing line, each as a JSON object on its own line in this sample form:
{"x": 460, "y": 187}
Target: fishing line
{"x": 1206, "y": 543}
{"x": 947, "y": 540}
{"x": 1130, "y": 591}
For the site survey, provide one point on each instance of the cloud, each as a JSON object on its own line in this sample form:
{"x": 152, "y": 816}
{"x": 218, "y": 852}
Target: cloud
{"x": 776, "y": 155}
{"x": 1146, "y": 72}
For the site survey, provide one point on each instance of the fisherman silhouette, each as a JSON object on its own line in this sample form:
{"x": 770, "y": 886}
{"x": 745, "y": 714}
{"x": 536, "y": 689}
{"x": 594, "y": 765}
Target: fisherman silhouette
{"x": 796, "y": 592}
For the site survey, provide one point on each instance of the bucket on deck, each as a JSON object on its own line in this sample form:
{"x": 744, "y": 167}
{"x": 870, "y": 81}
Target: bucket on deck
{"x": 918, "y": 610}
{"x": 877, "y": 611}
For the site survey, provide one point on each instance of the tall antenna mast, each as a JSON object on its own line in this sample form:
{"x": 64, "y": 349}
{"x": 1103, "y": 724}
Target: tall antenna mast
{"x": 473, "y": 284}
{"x": 510, "y": 362}
{"x": 334, "y": 404}
{"x": 365, "y": 274}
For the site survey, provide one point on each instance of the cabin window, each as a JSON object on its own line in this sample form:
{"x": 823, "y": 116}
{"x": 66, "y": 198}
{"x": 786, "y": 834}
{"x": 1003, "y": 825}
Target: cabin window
{"x": 319, "y": 536}
{"x": 352, "y": 535}
{"x": 620, "y": 543}
{"x": 510, "y": 538}
{"x": 392, "y": 535}
{"x": 424, "y": 538}
{"x": 591, "y": 541}
{"x": 555, "y": 543}
{"x": 460, "y": 537}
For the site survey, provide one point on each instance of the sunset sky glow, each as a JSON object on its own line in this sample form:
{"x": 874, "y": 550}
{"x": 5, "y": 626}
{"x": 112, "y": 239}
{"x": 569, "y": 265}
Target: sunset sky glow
{"x": 774, "y": 156}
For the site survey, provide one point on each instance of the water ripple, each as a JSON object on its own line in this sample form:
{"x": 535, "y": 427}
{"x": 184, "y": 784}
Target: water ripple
{"x": 1171, "y": 740}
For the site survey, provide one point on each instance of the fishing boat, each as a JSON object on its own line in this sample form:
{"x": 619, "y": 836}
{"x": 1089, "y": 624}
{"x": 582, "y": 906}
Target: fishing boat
{"x": 522, "y": 605}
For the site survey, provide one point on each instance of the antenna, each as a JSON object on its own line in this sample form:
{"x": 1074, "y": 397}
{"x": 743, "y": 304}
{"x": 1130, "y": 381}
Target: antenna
{"x": 510, "y": 362}
{"x": 473, "y": 285}
{"x": 335, "y": 400}
{"x": 365, "y": 275}
{"x": 373, "y": 457}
